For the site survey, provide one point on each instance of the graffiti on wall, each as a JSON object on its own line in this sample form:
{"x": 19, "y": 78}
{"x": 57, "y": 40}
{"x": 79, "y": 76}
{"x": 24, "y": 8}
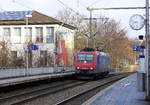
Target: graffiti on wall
{"x": 65, "y": 47}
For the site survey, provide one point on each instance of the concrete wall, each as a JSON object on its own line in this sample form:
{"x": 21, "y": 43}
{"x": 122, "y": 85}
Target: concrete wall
{"x": 10, "y": 73}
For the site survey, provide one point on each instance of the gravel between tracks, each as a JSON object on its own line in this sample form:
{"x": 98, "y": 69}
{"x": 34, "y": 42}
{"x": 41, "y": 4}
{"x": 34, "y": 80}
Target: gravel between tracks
{"x": 57, "y": 97}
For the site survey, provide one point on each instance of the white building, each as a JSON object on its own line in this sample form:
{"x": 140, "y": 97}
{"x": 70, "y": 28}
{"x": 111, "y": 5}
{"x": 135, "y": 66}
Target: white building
{"x": 22, "y": 28}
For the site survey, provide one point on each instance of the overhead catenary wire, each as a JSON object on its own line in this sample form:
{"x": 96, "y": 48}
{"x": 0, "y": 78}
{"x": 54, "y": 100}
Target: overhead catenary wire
{"x": 65, "y": 5}
{"x": 94, "y": 3}
{"x": 82, "y": 4}
{"x": 14, "y": 1}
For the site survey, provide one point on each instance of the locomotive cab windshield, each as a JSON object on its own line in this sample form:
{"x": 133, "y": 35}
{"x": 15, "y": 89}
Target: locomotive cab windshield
{"x": 85, "y": 58}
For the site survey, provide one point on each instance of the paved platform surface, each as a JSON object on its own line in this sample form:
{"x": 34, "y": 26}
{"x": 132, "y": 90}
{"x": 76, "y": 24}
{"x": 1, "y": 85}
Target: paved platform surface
{"x": 25, "y": 79}
{"x": 123, "y": 92}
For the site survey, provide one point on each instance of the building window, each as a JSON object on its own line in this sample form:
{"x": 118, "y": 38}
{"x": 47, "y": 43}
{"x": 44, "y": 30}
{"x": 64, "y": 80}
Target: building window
{"x": 14, "y": 54}
{"x": 17, "y": 35}
{"x": 17, "y": 31}
{"x": 7, "y": 32}
{"x": 28, "y": 33}
{"x": 6, "y": 35}
{"x": 50, "y": 35}
{"x": 39, "y": 34}
{"x": 43, "y": 58}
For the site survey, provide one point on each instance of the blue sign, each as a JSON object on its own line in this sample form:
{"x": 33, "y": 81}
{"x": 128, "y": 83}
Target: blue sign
{"x": 33, "y": 47}
{"x": 141, "y": 56}
{"x": 138, "y": 48}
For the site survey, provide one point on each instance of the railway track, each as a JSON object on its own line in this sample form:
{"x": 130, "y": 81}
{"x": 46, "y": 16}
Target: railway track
{"x": 32, "y": 94}
{"x": 28, "y": 96}
{"x": 74, "y": 100}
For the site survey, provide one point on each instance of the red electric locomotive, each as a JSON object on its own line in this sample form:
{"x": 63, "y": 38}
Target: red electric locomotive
{"x": 92, "y": 63}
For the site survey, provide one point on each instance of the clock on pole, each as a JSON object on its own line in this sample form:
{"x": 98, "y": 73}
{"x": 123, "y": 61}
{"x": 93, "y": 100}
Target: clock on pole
{"x": 137, "y": 22}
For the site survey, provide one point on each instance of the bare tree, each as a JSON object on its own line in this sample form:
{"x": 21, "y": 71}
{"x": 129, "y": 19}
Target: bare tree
{"x": 81, "y": 32}
{"x": 107, "y": 35}
{"x": 4, "y": 55}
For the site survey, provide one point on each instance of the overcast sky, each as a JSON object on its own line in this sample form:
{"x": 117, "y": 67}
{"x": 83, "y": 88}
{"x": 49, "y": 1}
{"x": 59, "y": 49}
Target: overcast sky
{"x": 51, "y": 7}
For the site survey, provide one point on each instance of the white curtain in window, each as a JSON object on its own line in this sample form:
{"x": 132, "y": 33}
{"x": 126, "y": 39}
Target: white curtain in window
{"x": 17, "y": 35}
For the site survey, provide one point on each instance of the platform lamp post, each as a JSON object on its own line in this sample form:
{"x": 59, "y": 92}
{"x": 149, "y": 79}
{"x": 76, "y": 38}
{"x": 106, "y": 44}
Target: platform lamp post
{"x": 90, "y": 22}
{"x": 148, "y": 50}
{"x": 27, "y": 55}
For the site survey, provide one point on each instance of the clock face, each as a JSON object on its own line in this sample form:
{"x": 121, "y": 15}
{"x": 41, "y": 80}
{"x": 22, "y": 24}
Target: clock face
{"x": 136, "y": 22}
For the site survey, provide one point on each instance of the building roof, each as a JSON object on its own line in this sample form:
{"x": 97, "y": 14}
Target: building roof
{"x": 19, "y": 18}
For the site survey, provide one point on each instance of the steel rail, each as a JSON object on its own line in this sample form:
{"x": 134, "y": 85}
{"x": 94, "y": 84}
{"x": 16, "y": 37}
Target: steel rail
{"x": 38, "y": 93}
{"x": 112, "y": 80}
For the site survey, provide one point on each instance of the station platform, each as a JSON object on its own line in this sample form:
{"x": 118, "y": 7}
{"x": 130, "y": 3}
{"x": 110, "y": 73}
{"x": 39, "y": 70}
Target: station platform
{"x": 123, "y": 92}
{"x": 24, "y": 79}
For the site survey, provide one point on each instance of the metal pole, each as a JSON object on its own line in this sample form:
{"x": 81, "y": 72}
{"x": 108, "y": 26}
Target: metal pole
{"x": 27, "y": 47}
{"x": 87, "y": 41}
{"x": 90, "y": 23}
{"x": 148, "y": 49}
{"x": 55, "y": 52}
{"x": 90, "y": 27}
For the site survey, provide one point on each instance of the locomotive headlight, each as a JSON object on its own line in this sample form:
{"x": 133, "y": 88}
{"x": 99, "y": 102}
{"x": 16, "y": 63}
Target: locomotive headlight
{"x": 85, "y": 61}
{"x": 78, "y": 67}
{"x": 91, "y": 68}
